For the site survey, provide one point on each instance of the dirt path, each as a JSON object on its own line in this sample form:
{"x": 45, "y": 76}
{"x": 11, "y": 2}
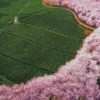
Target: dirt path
{"x": 89, "y": 30}
{"x": 79, "y": 21}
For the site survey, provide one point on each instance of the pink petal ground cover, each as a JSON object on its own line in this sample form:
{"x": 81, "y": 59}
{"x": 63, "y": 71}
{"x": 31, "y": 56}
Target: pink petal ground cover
{"x": 76, "y": 78}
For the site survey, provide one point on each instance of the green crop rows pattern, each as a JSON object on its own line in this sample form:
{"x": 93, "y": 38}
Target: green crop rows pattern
{"x": 42, "y": 41}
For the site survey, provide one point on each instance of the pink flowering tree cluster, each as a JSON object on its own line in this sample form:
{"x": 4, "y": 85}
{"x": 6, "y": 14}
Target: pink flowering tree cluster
{"x": 87, "y": 10}
{"x": 51, "y": 2}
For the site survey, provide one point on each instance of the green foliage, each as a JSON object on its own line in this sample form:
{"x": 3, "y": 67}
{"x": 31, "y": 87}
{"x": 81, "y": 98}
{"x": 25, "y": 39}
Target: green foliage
{"x": 4, "y": 80}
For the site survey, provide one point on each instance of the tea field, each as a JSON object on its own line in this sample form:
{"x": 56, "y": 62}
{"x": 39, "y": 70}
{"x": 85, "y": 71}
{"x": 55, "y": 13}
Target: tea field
{"x": 42, "y": 40}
